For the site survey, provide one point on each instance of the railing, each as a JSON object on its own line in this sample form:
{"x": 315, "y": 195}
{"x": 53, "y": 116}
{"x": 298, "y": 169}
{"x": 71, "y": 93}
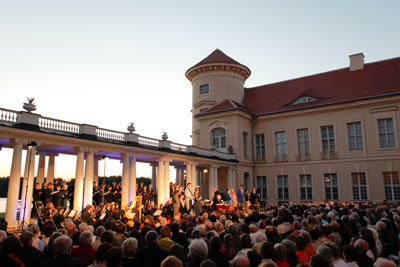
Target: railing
{"x": 8, "y": 115}
{"x": 303, "y": 156}
{"x": 179, "y": 147}
{"x": 281, "y": 158}
{"x": 109, "y": 134}
{"x": 59, "y": 125}
{"x": 15, "y": 117}
{"x": 147, "y": 141}
{"x": 328, "y": 155}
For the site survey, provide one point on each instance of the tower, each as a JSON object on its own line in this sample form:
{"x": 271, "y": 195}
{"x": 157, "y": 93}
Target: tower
{"x": 215, "y": 79}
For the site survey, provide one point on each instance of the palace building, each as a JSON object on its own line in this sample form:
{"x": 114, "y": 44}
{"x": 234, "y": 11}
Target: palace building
{"x": 327, "y": 136}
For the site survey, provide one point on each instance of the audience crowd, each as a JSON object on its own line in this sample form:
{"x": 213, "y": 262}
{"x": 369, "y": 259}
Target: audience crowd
{"x": 304, "y": 234}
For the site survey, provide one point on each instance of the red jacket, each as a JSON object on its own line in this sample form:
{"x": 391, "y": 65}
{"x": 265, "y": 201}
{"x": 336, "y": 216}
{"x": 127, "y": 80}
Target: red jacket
{"x": 85, "y": 252}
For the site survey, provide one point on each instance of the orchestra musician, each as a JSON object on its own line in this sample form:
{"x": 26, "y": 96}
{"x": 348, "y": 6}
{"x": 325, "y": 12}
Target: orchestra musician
{"x": 37, "y": 196}
{"x": 50, "y": 211}
{"x": 58, "y": 217}
{"x": 86, "y": 215}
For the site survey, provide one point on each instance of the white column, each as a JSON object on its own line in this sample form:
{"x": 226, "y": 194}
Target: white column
{"x": 78, "y": 190}
{"x": 24, "y": 183}
{"x": 88, "y": 190}
{"x": 125, "y": 179}
{"x": 96, "y": 170}
{"x": 160, "y": 181}
{"x": 13, "y": 185}
{"x": 194, "y": 176}
{"x": 188, "y": 173}
{"x": 154, "y": 176}
{"x": 177, "y": 175}
{"x": 132, "y": 178}
{"x": 234, "y": 178}
{"x": 41, "y": 168}
{"x": 211, "y": 183}
{"x": 229, "y": 178}
{"x": 50, "y": 168}
{"x": 215, "y": 177}
{"x": 166, "y": 180}
{"x": 29, "y": 191}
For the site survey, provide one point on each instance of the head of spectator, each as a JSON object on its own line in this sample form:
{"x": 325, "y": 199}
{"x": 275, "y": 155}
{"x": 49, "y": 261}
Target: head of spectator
{"x": 349, "y": 253}
{"x": 325, "y": 252}
{"x": 62, "y": 245}
{"x": 382, "y": 262}
{"x": 3, "y": 236}
{"x": 107, "y": 237}
{"x": 245, "y": 241}
{"x": 101, "y": 253}
{"x": 254, "y": 257}
{"x": 267, "y": 250}
{"x": 83, "y": 227}
{"x": 151, "y": 237}
{"x": 171, "y": 261}
{"x": 11, "y": 245}
{"x": 114, "y": 257}
{"x": 240, "y": 261}
{"x": 99, "y": 231}
{"x": 280, "y": 252}
{"x": 85, "y": 239}
{"x": 198, "y": 250}
{"x": 129, "y": 247}
{"x": 318, "y": 261}
{"x": 26, "y": 239}
{"x": 208, "y": 263}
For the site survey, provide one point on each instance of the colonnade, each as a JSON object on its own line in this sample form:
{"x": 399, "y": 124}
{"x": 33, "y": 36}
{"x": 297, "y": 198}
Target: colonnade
{"x": 86, "y": 173}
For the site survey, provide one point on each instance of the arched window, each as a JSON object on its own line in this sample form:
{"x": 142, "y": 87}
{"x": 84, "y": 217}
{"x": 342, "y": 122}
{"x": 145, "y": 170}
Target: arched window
{"x": 218, "y": 138}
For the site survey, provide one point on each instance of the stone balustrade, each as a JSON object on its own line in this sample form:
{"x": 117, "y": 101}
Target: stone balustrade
{"x": 93, "y": 132}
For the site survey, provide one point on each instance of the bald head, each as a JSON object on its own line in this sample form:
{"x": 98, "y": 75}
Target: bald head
{"x": 240, "y": 261}
{"x": 361, "y": 245}
{"x": 381, "y": 262}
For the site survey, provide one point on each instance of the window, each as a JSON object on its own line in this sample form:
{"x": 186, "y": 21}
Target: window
{"x": 359, "y": 185}
{"x": 304, "y": 99}
{"x": 392, "y": 185}
{"x": 386, "y": 133}
{"x": 262, "y": 186}
{"x": 280, "y": 143}
{"x": 305, "y": 186}
{"x": 303, "y": 143}
{"x": 328, "y": 138}
{"x": 246, "y": 180}
{"x": 260, "y": 146}
{"x": 204, "y": 89}
{"x": 355, "y": 135}
{"x": 283, "y": 187}
{"x": 218, "y": 138}
{"x": 245, "y": 151}
{"x": 331, "y": 186}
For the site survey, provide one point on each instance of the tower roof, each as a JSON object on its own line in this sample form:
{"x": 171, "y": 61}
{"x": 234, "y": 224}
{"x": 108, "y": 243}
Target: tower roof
{"x": 218, "y": 57}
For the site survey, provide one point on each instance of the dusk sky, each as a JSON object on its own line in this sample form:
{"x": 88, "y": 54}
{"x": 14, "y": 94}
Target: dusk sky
{"x": 107, "y": 63}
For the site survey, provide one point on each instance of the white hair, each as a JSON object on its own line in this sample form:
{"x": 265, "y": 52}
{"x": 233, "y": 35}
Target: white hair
{"x": 85, "y": 237}
{"x": 83, "y": 227}
{"x": 198, "y": 249}
{"x": 3, "y": 236}
{"x": 259, "y": 237}
{"x": 129, "y": 247}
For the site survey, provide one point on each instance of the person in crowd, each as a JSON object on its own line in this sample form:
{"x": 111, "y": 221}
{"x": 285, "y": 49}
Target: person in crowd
{"x": 85, "y": 250}
{"x": 188, "y": 197}
{"x": 129, "y": 249}
{"x": 62, "y": 254}
{"x": 87, "y": 215}
{"x": 151, "y": 254}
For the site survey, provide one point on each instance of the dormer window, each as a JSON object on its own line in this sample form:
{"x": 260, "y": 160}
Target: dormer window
{"x": 204, "y": 89}
{"x": 304, "y": 99}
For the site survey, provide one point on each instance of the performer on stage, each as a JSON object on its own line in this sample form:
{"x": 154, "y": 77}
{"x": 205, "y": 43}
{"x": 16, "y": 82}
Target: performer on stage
{"x": 86, "y": 215}
{"x": 176, "y": 203}
{"x": 188, "y": 197}
{"x": 240, "y": 195}
{"x": 37, "y": 196}
{"x": 197, "y": 201}
{"x": 64, "y": 196}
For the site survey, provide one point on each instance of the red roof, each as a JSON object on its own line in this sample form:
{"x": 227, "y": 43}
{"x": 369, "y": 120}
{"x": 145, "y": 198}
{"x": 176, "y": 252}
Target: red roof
{"x": 217, "y": 57}
{"x": 376, "y": 79}
{"x": 227, "y": 104}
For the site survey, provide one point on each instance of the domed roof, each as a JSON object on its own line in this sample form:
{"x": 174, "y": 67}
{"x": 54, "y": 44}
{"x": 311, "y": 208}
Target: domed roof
{"x": 218, "y": 57}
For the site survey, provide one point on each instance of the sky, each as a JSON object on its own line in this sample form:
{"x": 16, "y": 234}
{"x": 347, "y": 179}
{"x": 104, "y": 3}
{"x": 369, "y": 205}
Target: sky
{"x": 108, "y": 63}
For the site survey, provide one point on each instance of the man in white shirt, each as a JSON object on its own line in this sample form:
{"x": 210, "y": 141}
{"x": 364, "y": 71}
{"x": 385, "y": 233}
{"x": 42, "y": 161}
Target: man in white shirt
{"x": 188, "y": 197}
